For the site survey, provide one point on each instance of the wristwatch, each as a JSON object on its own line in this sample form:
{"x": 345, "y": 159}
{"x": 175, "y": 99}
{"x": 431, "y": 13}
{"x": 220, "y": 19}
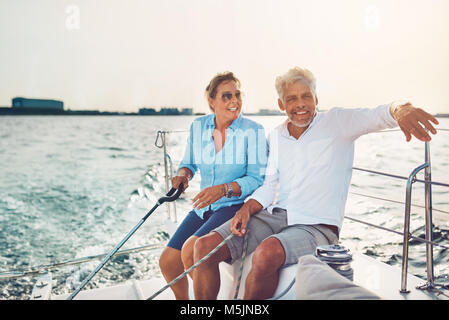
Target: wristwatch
{"x": 230, "y": 192}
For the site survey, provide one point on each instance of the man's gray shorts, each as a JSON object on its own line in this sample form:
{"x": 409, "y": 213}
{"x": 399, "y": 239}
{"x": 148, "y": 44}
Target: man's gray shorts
{"x": 297, "y": 240}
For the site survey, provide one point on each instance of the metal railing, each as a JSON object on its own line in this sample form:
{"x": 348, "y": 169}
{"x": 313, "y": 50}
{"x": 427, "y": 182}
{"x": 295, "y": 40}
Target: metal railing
{"x": 161, "y": 143}
{"x": 411, "y": 179}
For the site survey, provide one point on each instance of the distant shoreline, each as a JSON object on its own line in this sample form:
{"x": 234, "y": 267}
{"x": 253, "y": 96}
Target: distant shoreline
{"x": 49, "y": 112}
{"x": 8, "y": 111}
{"x": 126, "y": 114}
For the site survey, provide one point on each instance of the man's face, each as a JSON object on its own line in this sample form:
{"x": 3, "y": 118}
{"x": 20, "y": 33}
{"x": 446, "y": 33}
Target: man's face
{"x": 299, "y": 102}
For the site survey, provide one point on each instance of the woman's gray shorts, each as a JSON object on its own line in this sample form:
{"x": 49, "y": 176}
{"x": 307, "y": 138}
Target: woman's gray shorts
{"x": 297, "y": 239}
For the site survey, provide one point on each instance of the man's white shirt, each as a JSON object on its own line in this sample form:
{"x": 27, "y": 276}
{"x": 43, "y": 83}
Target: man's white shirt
{"x": 310, "y": 176}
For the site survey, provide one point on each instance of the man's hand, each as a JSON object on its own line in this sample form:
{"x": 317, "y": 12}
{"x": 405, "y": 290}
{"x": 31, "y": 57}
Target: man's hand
{"x": 411, "y": 121}
{"x": 239, "y": 222}
{"x": 241, "y": 218}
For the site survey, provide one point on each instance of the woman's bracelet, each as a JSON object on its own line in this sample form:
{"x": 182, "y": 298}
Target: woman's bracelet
{"x": 224, "y": 189}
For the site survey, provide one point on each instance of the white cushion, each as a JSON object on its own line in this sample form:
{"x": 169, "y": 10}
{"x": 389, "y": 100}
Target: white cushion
{"x": 315, "y": 280}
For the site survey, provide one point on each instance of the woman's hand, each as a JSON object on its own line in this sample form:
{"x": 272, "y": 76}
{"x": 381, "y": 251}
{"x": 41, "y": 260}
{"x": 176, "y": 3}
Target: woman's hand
{"x": 184, "y": 175}
{"x": 176, "y": 181}
{"x": 208, "y": 196}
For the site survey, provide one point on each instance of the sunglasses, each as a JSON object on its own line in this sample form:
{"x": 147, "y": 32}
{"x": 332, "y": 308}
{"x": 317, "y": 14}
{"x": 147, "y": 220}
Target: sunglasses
{"x": 227, "y": 96}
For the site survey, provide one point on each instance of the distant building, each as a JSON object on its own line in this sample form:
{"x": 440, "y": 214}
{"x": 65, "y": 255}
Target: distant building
{"x": 147, "y": 111}
{"x": 20, "y": 102}
{"x": 169, "y": 111}
{"x": 166, "y": 111}
{"x": 270, "y": 112}
{"x": 187, "y": 111}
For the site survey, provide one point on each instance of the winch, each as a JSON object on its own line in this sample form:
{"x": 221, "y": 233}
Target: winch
{"x": 338, "y": 258}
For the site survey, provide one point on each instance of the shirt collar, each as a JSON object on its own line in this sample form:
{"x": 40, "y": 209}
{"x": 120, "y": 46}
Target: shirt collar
{"x": 284, "y": 129}
{"x": 236, "y": 123}
{"x": 210, "y": 122}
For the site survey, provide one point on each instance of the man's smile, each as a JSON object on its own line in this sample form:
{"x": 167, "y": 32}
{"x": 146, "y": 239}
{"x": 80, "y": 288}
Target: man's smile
{"x": 301, "y": 114}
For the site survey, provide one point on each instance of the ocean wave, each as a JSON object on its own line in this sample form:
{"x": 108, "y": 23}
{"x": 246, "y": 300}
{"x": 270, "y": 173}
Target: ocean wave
{"x": 61, "y": 199}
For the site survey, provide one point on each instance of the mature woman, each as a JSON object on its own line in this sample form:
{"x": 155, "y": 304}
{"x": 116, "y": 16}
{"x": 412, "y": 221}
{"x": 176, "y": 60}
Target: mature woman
{"x": 230, "y": 151}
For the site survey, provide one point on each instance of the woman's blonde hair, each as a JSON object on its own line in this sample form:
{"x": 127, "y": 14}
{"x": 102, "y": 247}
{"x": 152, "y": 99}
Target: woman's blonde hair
{"x": 211, "y": 89}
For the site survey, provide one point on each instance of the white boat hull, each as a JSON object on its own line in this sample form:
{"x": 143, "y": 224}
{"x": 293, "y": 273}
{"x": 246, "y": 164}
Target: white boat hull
{"x": 381, "y": 279}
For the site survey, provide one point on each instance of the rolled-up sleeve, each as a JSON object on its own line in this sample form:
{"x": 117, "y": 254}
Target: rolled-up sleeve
{"x": 188, "y": 160}
{"x": 257, "y": 155}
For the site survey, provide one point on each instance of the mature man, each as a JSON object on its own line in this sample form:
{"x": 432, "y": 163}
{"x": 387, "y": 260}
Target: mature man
{"x": 309, "y": 168}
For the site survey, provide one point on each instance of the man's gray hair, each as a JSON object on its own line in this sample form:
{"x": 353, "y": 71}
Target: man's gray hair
{"x": 293, "y": 75}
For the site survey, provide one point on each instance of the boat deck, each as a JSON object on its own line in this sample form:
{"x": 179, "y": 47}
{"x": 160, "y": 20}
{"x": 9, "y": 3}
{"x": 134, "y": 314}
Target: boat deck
{"x": 379, "y": 278}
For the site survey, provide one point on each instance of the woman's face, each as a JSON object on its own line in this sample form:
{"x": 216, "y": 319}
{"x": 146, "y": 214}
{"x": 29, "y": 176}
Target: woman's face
{"x": 227, "y": 103}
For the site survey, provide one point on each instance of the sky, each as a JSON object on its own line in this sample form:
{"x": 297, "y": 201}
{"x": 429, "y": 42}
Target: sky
{"x": 122, "y": 55}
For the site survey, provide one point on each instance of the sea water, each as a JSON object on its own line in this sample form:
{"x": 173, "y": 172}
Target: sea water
{"x": 74, "y": 186}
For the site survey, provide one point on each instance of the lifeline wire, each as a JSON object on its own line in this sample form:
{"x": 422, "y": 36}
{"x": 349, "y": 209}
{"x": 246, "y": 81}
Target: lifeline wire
{"x": 45, "y": 268}
{"x": 397, "y": 232}
{"x": 245, "y": 248}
